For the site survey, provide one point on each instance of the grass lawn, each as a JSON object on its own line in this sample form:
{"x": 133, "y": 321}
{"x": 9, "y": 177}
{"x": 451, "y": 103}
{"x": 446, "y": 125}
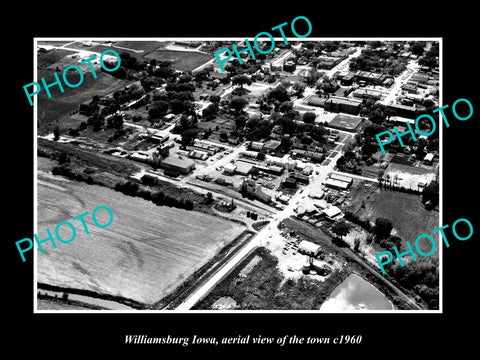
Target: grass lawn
{"x": 181, "y": 60}
{"x": 409, "y": 217}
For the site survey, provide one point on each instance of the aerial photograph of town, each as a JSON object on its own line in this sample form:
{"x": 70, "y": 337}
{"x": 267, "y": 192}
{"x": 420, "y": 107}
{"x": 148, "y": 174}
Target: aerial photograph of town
{"x": 253, "y": 184}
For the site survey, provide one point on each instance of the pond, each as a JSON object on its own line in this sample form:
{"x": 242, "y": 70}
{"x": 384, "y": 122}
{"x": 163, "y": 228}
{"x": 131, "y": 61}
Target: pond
{"x": 355, "y": 293}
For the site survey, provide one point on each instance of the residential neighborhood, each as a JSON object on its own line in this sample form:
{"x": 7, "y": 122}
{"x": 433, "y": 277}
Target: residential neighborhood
{"x": 261, "y": 187}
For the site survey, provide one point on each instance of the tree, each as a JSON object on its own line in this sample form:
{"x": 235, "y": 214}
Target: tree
{"x": 356, "y": 245}
{"x": 279, "y": 94}
{"x": 209, "y": 198}
{"x": 56, "y": 133}
{"x": 158, "y": 109}
{"x": 380, "y": 174}
{"x": 299, "y": 88}
{"x": 383, "y": 227}
{"x": 309, "y": 117}
{"x": 224, "y": 135}
{"x": 148, "y": 83}
{"x": 340, "y": 228}
{"x": 120, "y": 73}
{"x": 428, "y": 103}
{"x": 63, "y": 158}
{"x": 115, "y": 122}
{"x": 305, "y": 139}
{"x": 238, "y": 103}
{"x": 417, "y": 49}
{"x": 188, "y": 137}
{"x": 215, "y": 99}
{"x": 240, "y": 122}
{"x": 261, "y": 156}
{"x": 96, "y": 120}
{"x": 285, "y": 107}
{"x": 210, "y": 111}
{"x": 241, "y": 80}
{"x": 430, "y": 193}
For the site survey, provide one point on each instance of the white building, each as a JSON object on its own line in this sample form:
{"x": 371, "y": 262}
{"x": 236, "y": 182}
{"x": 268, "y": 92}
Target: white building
{"x": 309, "y": 248}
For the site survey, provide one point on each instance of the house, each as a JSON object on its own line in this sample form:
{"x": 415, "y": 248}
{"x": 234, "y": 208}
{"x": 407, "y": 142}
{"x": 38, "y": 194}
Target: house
{"x": 347, "y": 80}
{"x": 332, "y": 212}
{"x": 234, "y": 140}
{"x": 229, "y": 169}
{"x": 309, "y": 248}
{"x": 289, "y": 66}
{"x": 255, "y": 145}
{"x": 428, "y": 159}
{"x": 284, "y": 199}
{"x": 307, "y": 170}
{"x": 199, "y": 155}
{"x": 290, "y": 183}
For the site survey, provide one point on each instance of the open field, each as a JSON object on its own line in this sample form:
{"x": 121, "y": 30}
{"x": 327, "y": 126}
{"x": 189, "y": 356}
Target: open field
{"x": 146, "y": 46}
{"x": 60, "y": 104}
{"x": 143, "y": 255}
{"x": 181, "y": 60}
{"x": 53, "y": 43}
{"x": 409, "y": 217}
{"x": 45, "y": 59}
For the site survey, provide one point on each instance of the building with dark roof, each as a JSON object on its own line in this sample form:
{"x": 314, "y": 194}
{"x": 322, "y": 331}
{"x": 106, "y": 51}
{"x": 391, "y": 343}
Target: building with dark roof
{"x": 177, "y": 165}
{"x": 342, "y": 104}
{"x": 410, "y": 112}
{"x": 370, "y": 77}
{"x": 271, "y": 145}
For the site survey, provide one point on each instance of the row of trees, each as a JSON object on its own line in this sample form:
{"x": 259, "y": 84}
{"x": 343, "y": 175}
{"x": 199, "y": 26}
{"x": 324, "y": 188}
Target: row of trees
{"x": 159, "y": 198}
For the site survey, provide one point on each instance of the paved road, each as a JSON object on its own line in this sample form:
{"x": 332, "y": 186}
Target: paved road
{"x": 267, "y": 232}
{"x": 401, "y": 79}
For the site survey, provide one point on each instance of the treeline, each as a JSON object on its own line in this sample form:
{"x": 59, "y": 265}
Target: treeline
{"x": 389, "y": 186}
{"x": 421, "y": 277}
{"x": 159, "y": 197}
{"x": 66, "y": 171}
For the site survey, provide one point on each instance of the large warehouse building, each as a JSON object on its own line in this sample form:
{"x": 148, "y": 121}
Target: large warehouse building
{"x": 177, "y": 165}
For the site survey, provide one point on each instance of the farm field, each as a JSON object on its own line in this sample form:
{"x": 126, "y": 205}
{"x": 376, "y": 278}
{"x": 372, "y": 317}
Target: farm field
{"x": 181, "y": 60}
{"x": 143, "y": 255}
{"x": 46, "y": 59}
{"x": 60, "y": 104}
{"x": 409, "y": 217}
